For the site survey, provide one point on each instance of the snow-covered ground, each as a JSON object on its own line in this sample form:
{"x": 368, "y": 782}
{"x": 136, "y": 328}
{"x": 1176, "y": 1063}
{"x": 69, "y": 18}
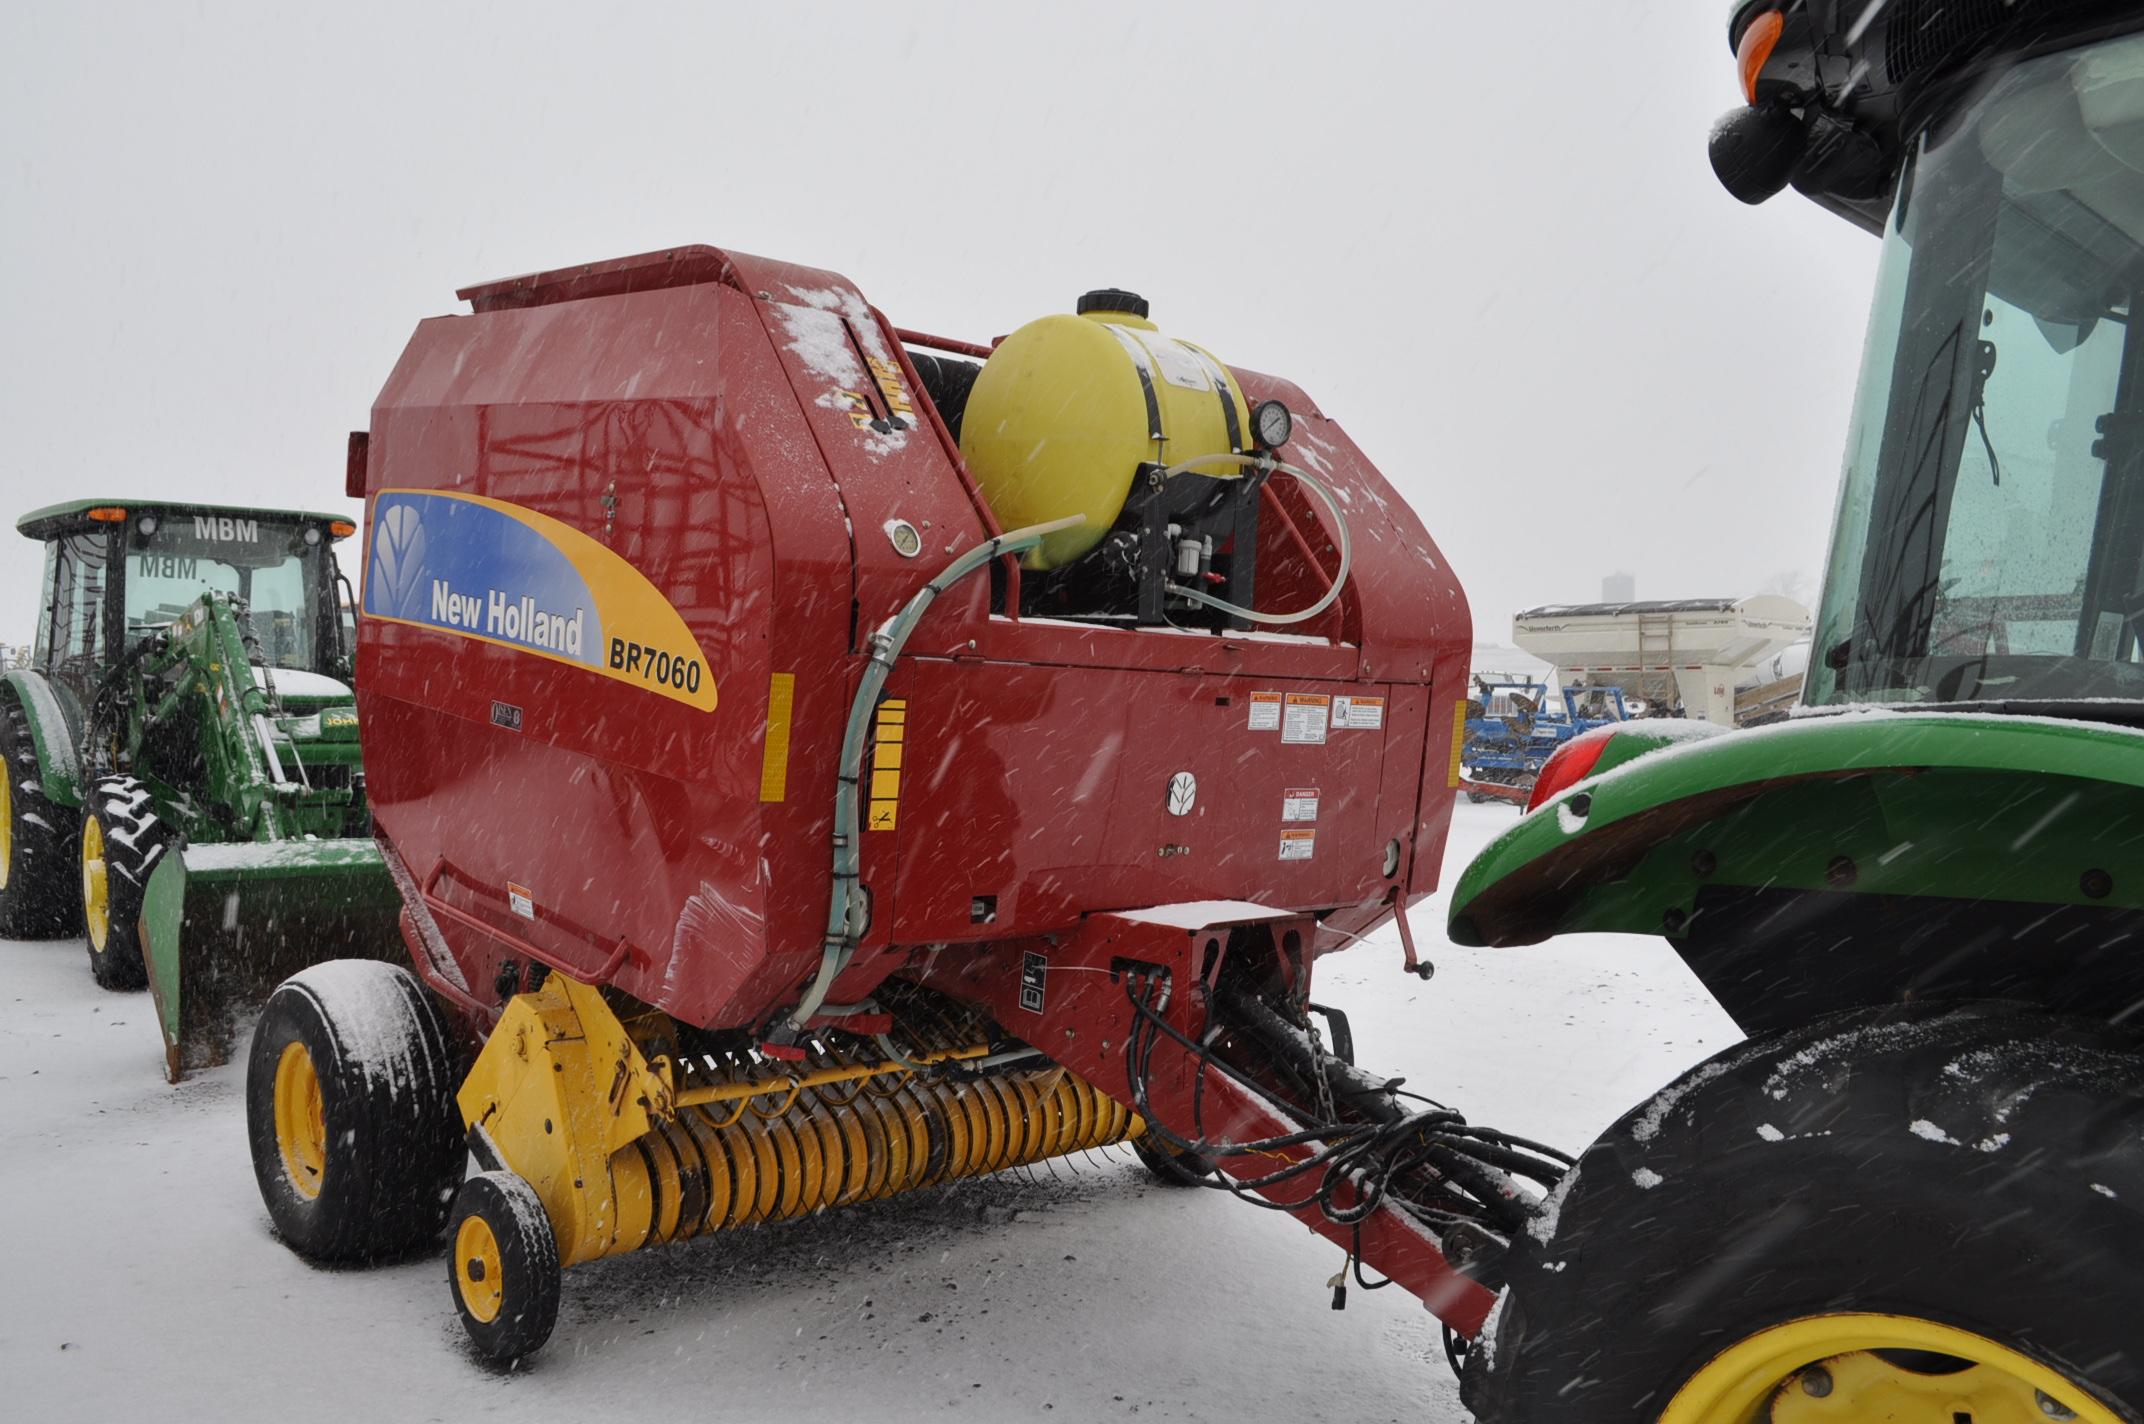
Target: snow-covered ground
{"x": 141, "y": 1281}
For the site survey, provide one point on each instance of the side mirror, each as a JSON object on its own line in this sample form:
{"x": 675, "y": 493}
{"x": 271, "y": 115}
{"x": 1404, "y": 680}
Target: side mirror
{"x": 1754, "y": 150}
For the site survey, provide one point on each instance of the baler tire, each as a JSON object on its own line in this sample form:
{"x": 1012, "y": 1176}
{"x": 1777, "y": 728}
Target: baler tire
{"x": 503, "y": 1267}
{"x": 37, "y": 897}
{"x": 356, "y": 1049}
{"x": 119, "y": 816}
{"x": 1170, "y": 1167}
{"x": 1880, "y": 1188}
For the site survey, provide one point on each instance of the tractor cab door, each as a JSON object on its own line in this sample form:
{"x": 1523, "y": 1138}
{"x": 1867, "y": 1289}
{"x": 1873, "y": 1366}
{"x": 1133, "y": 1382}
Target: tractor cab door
{"x": 77, "y": 636}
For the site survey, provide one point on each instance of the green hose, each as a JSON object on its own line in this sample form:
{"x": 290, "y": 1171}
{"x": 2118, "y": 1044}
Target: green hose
{"x": 846, "y": 912}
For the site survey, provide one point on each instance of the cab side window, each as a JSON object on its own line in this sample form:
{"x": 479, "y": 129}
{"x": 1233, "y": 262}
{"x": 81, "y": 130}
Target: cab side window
{"x": 47, "y": 609}
{"x": 78, "y": 598}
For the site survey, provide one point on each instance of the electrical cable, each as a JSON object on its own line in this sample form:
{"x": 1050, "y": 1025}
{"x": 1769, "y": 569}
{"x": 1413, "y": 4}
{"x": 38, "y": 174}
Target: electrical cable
{"x": 1472, "y": 1167}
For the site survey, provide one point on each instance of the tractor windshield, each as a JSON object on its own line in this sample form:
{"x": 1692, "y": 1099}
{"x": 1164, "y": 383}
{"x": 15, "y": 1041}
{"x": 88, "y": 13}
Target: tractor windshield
{"x": 268, "y": 564}
{"x": 1990, "y": 537}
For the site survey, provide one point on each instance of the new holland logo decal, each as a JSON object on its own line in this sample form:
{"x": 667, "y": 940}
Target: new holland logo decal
{"x": 485, "y": 569}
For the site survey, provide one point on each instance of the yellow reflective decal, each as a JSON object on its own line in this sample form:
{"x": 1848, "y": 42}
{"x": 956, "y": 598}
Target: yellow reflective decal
{"x": 1459, "y": 742}
{"x": 887, "y": 741}
{"x": 774, "y": 760}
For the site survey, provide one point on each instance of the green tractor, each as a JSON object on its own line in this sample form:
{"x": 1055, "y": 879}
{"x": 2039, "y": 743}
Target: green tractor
{"x": 1916, "y": 1190}
{"x": 183, "y": 784}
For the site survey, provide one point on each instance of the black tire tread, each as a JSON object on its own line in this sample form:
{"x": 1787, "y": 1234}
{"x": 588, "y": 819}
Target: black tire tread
{"x": 528, "y": 1253}
{"x": 1981, "y": 1165}
{"x": 39, "y": 901}
{"x": 135, "y": 839}
{"x": 395, "y": 1146}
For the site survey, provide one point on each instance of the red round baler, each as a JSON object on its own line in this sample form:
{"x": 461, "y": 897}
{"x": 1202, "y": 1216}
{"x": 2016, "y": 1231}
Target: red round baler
{"x": 777, "y": 829}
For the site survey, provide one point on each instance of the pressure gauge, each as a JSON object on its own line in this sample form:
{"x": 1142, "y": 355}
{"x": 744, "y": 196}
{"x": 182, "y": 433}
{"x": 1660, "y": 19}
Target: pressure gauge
{"x": 1272, "y": 424}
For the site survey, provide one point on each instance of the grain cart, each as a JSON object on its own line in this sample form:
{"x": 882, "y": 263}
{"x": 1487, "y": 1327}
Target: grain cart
{"x": 182, "y": 782}
{"x": 1916, "y": 1192}
{"x": 822, "y": 760}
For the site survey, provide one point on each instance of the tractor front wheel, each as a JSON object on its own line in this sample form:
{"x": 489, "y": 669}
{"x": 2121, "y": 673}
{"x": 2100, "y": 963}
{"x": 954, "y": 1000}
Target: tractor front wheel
{"x": 36, "y": 901}
{"x": 1921, "y": 1213}
{"x": 122, "y": 840}
{"x": 504, "y": 1267}
{"x": 350, "y": 1113}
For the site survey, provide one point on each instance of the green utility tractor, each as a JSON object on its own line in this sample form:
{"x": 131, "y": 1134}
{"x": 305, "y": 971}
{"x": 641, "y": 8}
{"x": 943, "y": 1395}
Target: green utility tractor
{"x": 1916, "y": 1190}
{"x": 183, "y": 784}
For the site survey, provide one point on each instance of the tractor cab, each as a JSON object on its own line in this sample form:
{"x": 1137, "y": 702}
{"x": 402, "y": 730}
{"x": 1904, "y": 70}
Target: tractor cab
{"x": 118, "y": 575}
{"x": 183, "y": 781}
{"x": 1990, "y": 538}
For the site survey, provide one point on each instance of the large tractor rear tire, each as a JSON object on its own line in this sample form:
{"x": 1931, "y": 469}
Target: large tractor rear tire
{"x": 122, "y": 840}
{"x": 357, "y": 1143}
{"x": 1902, "y": 1214}
{"x": 37, "y": 898}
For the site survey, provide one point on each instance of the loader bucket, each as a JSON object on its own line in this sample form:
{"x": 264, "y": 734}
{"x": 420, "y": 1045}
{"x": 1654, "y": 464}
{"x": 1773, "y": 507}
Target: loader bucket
{"x": 222, "y": 925}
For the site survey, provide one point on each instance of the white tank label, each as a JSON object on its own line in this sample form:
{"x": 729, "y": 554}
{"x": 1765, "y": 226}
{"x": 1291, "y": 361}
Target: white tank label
{"x": 1173, "y": 361}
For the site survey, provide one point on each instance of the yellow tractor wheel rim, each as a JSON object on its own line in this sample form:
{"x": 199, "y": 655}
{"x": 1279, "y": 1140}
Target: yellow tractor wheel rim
{"x": 1823, "y": 1369}
{"x": 478, "y": 1276}
{"x": 96, "y": 885}
{"x": 7, "y": 824}
{"x": 301, "y": 1123}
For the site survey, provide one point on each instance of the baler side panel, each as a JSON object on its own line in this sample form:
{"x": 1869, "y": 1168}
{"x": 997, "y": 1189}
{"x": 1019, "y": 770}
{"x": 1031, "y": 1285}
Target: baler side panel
{"x": 1416, "y": 625}
{"x": 1051, "y": 792}
{"x": 627, "y": 810}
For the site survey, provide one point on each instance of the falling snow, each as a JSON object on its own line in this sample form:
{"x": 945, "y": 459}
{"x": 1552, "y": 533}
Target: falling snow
{"x": 197, "y": 1295}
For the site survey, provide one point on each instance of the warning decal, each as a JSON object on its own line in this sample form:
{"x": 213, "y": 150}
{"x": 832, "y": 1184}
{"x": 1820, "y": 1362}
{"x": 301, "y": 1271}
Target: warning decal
{"x": 887, "y": 745}
{"x": 1297, "y": 845}
{"x": 1299, "y": 803}
{"x": 1362, "y": 713}
{"x": 1265, "y": 711}
{"x": 1304, "y": 718}
{"x": 1459, "y": 741}
{"x": 520, "y": 900}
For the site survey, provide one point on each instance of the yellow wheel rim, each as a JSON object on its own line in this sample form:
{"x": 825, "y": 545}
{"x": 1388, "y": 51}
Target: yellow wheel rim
{"x": 1824, "y": 1370}
{"x": 301, "y": 1124}
{"x": 96, "y": 885}
{"x": 7, "y": 825}
{"x": 478, "y": 1276}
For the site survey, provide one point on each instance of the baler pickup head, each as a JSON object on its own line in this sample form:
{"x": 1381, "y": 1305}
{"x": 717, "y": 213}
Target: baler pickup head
{"x": 222, "y": 925}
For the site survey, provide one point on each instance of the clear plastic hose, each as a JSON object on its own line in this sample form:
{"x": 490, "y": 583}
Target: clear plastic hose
{"x": 1317, "y": 487}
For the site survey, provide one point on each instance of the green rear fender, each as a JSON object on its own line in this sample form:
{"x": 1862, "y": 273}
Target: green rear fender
{"x": 1971, "y": 806}
{"x": 59, "y": 770}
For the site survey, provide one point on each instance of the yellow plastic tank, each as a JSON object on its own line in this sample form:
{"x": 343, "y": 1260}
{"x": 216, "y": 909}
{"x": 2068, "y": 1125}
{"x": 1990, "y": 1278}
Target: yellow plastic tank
{"x": 1068, "y": 408}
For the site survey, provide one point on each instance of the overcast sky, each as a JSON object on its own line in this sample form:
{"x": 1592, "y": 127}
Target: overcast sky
{"x": 1484, "y": 237}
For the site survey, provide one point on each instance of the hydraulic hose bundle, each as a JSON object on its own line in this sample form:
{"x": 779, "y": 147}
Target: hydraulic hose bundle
{"x": 1456, "y": 1178}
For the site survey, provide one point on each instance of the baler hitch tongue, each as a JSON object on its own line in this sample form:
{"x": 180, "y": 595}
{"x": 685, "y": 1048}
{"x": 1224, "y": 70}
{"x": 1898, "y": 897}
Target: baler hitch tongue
{"x": 222, "y": 925}
{"x": 1378, "y": 1170}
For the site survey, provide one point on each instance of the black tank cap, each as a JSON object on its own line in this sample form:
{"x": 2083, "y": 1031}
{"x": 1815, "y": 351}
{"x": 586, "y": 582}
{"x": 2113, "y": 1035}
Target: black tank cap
{"x": 1112, "y": 299}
